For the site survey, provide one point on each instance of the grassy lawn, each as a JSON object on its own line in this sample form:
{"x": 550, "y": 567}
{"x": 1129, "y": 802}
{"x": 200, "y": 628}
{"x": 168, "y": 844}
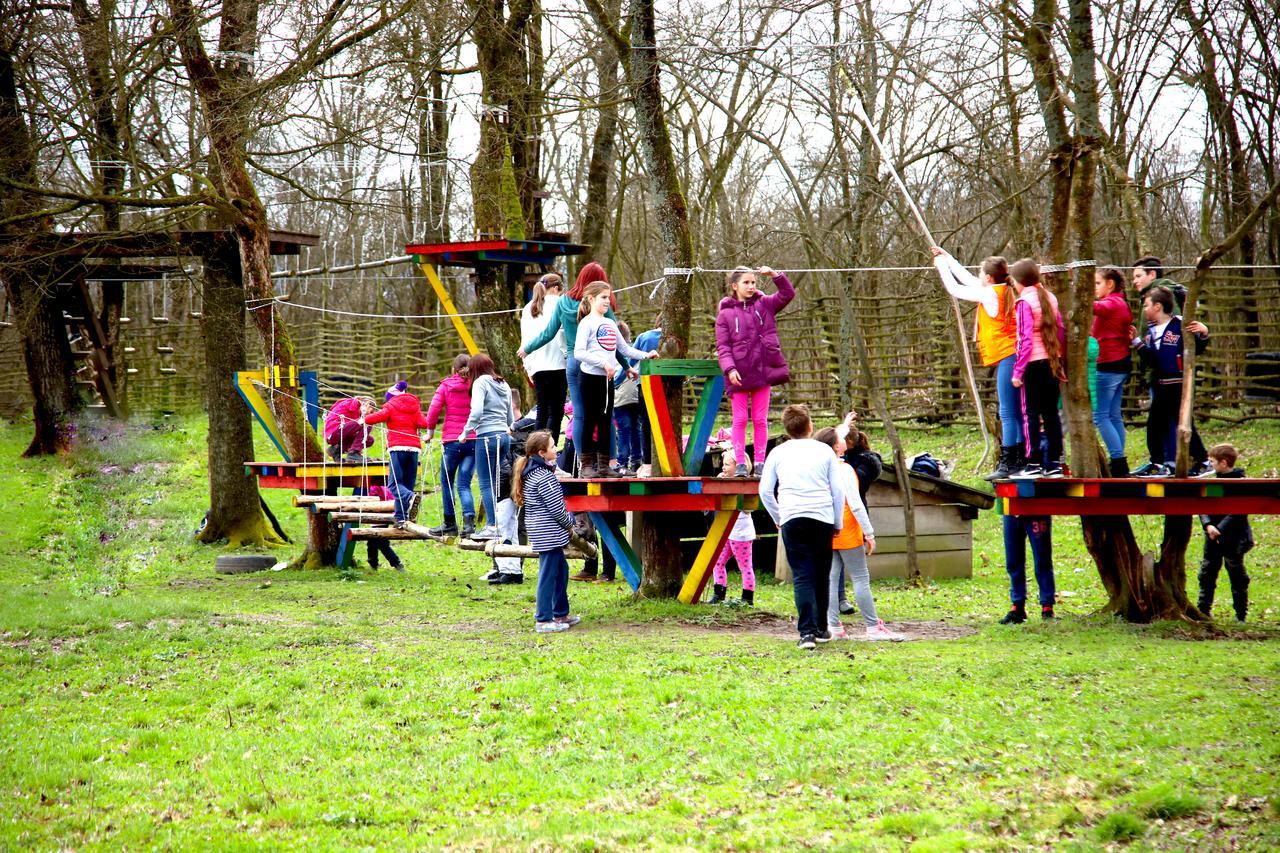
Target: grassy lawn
{"x": 146, "y": 701}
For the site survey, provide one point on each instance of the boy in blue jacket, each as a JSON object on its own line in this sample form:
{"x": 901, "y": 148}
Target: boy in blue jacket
{"x": 1227, "y": 538}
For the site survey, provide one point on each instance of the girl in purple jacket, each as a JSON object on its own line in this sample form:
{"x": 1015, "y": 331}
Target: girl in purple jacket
{"x": 1039, "y": 368}
{"x": 751, "y": 357}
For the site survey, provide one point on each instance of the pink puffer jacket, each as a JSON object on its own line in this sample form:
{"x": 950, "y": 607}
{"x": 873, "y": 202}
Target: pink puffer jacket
{"x": 454, "y": 396}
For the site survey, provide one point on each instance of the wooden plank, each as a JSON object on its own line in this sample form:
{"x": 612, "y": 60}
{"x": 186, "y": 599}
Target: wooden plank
{"x": 717, "y": 540}
{"x": 362, "y": 517}
{"x": 680, "y": 367}
{"x": 620, "y": 548}
{"x": 703, "y": 422}
{"x": 446, "y": 302}
{"x": 930, "y": 520}
{"x": 387, "y": 533}
{"x": 524, "y": 552}
{"x": 936, "y": 564}
{"x": 925, "y": 544}
{"x": 311, "y": 500}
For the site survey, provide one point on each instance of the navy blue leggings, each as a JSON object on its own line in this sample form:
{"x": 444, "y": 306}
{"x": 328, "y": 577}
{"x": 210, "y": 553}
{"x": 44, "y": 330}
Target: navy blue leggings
{"x": 1018, "y": 530}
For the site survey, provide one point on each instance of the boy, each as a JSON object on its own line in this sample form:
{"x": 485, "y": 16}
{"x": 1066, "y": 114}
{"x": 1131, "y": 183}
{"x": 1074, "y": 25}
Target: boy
{"x": 808, "y": 509}
{"x": 1161, "y": 352}
{"x": 1227, "y": 538}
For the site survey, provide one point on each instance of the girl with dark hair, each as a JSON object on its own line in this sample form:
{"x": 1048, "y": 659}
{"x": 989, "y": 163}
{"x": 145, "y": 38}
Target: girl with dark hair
{"x": 492, "y": 414}
{"x": 1039, "y": 368}
{"x": 751, "y": 357}
{"x": 546, "y": 366}
{"x": 995, "y": 331}
{"x": 1112, "y": 318}
{"x": 565, "y": 318}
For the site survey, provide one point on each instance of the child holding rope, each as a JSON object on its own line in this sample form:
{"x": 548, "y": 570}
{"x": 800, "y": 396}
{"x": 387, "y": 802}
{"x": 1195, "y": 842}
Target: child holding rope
{"x": 1039, "y": 368}
{"x": 492, "y": 414}
{"x": 751, "y": 357}
{"x": 457, "y": 450}
{"x": 995, "y": 331}
{"x": 403, "y": 416}
{"x": 534, "y": 488}
{"x": 344, "y": 433}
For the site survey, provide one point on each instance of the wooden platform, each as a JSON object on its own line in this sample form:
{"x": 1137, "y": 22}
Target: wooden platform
{"x": 501, "y": 251}
{"x": 661, "y": 494}
{"x": 318, "y": 475}
{"x": 1133, "y": 496}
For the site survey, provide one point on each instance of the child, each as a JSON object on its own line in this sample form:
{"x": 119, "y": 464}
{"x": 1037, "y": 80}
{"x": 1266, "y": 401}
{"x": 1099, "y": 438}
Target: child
{"x": 382, "y": 546}
{"x": 808, "y": 508}
{"x": 1161, "y": 352}
{"x": 996, "y": 333}
{"x": 1039, "y": 368}
{"x": 1111, "y": 320}
{"x": 1018, "y": 530}
{"x": 628, "y": 415}
{"x": 596, "y": 350}
{"x": 742, "y": 539}
{"x": 545, "y": 366}
{"x": 492, "y": 414}
{"x": 534, "y": 487}
{"x": 850, "y": 548}
{"x": 457, "y": 451}
{"x": 344, "y": 433}
{"x": 508, "y": 569}
{"x": 1227, "y": 538}
{"x": 403, "y": 416}
{"x": 751, "y": 357}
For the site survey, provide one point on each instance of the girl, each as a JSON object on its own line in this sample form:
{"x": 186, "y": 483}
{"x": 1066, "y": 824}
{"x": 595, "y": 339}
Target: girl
{"x": 382, "y": 546}
{"x": 850, "y": 547}
{"x": 751, "y": 356}
{"x": 402, "y": 414}
{"x": 597, "y": 349}
{"x": 1018, "y": 531}
{"x": 346, "y": 436}
{"x": 546, "y": 366}
{"x": 535, "y": 489}
{"x": 741, "y": 540}
{"x": 866, "y": 465}
{"x": 457, "y": 457}
{"x": 1038, "y": 368}
{"x": 492, "y": 414}
{"x": 565, "y": 317}
{"x": 1112, "y": 318}
{"x": 996, "y": 333}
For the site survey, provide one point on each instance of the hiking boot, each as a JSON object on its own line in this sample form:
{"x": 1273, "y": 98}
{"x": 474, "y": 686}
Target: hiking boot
{"x": 1046, "y": 611}
{"x": 717, "y": 595}
{"x": 1119, "y": 467}
{"x": 1004, "y": 467}
{"x": 1016, "y": 616}
{"x": 335, "y": 452}
{"x": 550, "y": 627}
{"x": 604, "y": 469}
{"x": 584, "y": 575}
{"x": 808, "y": 641}
{"x": 508, "y": 577}
{"x": 448, "y": 528}
{"x": 880, "y": 631}
{"x": 468, "y": 526}
{"x": 588, "y": 470}
{"x": 742, "y": 471}
{"x": 749, "y": 597}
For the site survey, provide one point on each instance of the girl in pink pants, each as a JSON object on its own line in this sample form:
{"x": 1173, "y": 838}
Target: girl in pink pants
{"x": 741, "y": 540}
{"x": 751, "y": 357}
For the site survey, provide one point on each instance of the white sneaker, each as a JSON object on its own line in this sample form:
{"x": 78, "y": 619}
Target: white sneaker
{"x": 838, "y": 632}
{"x": 880, "y": 631}
{"x": 488, "y": 532}
{"x": 551, "y": 627}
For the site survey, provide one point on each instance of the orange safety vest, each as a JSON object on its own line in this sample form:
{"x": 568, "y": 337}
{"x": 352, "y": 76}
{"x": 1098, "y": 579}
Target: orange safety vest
{"x": 997, "y": 336}
{"x": 849, "y": 535}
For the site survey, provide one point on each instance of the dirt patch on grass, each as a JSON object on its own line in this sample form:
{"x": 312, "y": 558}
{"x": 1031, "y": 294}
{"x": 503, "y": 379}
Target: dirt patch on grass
{"x": 763, "y": 623}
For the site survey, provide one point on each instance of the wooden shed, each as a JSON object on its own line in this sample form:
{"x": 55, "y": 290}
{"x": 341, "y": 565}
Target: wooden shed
{"x": 944, "y": 525}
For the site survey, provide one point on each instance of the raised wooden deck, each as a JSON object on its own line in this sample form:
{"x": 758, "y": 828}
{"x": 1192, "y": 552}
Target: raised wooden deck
{"x": 1134, "y": 496}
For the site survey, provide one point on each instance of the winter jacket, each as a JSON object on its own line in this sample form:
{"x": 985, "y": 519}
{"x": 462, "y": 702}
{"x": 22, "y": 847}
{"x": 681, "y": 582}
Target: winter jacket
{"x": 1165, "y": 361}
{"x": 403, "y": 417}
{"x": 1030, "y": 344}
{"x": 344, "y": 412}
{"x": 747, "y": 338}
{"x": 1111, "y": 320}
{"x": 546, "y": 521}
{"x": 867, "y": 465}
{"x": 550, "y": 357}
{"x": 453, "y": 395}
{"x": 564, "y": 317}
{"x": 491, "y": 409}
{"x": 1237, "y": 535}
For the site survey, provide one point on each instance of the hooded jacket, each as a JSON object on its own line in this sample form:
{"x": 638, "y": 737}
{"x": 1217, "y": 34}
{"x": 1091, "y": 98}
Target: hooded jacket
{"x": 1237, "y": 535}
{"x": 747, "y": 338}
{"x": 345, "y": 411}
{"x": 403, "y": 417}
{"x": 453, "y": 395}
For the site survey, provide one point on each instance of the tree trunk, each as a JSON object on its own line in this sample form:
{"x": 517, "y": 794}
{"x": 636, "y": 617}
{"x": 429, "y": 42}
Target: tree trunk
{"x": 235, "y": 511}
{"x": 603, "y": 141}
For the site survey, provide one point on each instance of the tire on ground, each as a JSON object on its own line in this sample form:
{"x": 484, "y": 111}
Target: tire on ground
{"x": 239, "y": 564}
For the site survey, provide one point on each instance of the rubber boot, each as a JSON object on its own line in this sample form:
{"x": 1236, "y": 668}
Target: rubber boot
{"x": 1119, "y": 467}
{"x": 1003, "y": 469}
{"x": 717, "y": 596}
{"x": 749, "y": 597}
{"x": 468, "y": 525}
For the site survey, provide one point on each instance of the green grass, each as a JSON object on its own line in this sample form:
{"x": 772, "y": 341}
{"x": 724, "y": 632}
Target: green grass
{"x": 146, "y": 701}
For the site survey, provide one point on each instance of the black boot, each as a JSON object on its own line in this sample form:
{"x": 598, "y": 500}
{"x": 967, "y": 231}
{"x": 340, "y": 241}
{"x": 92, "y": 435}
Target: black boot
{"x": 1240, "y": 600}
{"x": 448, "y": 528}
{"x": 468, "y": 526}
{"x": 717, "y": 596}
{"x": 1016, "y": 616}
{"x": 1119, "y": 467}
{"x": 749, "y": 597}
{"x": 1005, "y": 466}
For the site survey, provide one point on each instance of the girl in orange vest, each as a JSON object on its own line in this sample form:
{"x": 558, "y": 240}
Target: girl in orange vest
{"x": 850, "y": 547}
{"x": 996, "y": 334}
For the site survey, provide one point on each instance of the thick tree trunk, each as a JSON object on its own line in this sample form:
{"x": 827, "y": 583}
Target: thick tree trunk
{"x": 235, "y": 512}
{"x": 603, "y": 141}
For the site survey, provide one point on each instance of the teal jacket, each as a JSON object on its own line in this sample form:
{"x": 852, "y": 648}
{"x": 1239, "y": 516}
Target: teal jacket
{"x": 564, "y": 316}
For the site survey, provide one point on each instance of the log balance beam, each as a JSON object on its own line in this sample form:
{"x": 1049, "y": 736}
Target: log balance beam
{"x": 1132, "y": 496}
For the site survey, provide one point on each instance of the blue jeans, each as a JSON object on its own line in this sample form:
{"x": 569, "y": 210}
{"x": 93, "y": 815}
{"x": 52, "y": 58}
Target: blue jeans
{"x": 1018, "y": 530}
{"x": 627, "y": 420}
{"x": 1010, "y": 403}
{"x": 457, "y": 464}
{"x": 573, "y": 376}
{"x": 553, "y": 586}
{"x": 404, "y": 474}
{"x": 1106, "y": 411}
{"x": 490, "y": 450}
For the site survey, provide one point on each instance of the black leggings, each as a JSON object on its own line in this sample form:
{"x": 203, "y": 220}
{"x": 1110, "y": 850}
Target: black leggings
{"x": 550, "y": 388}
{"x": 596, "y": 414}
{"x": 1040, "y": 392}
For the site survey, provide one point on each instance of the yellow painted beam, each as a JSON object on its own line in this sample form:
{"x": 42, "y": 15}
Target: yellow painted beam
{"x": 442, "y": 294}
{"x": 717, "y": 538}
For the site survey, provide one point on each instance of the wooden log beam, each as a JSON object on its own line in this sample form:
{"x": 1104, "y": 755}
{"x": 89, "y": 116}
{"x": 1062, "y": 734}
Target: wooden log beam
{"x": 311, "y": 500}
{"x": 345, "y": 506}
{"x": 498, "y": 549}
{"x": 347, "y": 517}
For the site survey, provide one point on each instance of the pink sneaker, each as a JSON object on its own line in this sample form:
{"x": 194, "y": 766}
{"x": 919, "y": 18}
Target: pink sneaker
{"x": 838, "y": 632}
{"x": 880, "y": 631}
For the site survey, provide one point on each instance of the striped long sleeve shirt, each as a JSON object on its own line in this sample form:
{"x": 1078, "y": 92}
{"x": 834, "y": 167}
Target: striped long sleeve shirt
{"x": 546, "y": 520}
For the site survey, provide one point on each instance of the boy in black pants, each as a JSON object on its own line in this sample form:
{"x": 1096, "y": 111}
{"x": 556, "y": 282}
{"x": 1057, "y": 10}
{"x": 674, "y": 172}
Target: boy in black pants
{"x": 1227, "y": 538}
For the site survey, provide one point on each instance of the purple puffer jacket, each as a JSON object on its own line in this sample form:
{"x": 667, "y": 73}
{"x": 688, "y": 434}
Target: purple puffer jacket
{"x": 454, "y": 396}
{"x": 747, "y": 338}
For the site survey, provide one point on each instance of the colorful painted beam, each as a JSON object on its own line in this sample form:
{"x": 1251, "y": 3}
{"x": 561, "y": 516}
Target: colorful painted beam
{"x": 620, "y": 548}
{"x": 247, "y": 383}
{"x": 315, "y": 476}
{"x": 1132, "y": 496}
{"x": 666, "y": 443}
{"x": 717, "y": 540}
{"x": 446, "y": 302}
{"x": 472, "y": 253}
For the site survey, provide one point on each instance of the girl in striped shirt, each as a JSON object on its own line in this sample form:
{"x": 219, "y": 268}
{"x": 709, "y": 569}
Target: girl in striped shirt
{"x": 536, "y": 490}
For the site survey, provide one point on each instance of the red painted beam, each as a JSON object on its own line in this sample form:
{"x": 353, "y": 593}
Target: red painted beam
{"x": 1143, "y": 506}
{"x": 643, "y": 503}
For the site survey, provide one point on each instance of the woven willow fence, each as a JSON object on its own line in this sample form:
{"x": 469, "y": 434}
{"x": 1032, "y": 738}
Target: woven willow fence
{"x": 905, "y": 318}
